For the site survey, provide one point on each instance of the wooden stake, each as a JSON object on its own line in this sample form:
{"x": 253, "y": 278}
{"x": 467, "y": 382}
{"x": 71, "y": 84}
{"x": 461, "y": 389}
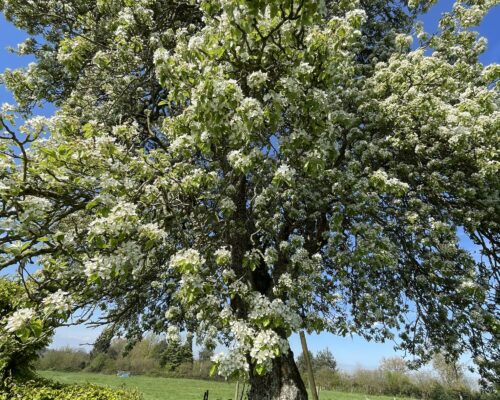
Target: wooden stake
{"x": 305, "y": 351}
{"x": 242, "y": 391}
{"x": 237, "y": 391}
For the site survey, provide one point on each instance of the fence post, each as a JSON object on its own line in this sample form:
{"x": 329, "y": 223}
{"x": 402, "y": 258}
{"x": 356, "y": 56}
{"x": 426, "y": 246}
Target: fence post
{"x": 237, "y": 391}
{"x": 305, "y": 351}
{"x": 242, "y": 391}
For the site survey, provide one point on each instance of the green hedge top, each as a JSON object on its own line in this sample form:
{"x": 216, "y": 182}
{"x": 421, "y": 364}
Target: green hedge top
{"x": 47, "y": 390}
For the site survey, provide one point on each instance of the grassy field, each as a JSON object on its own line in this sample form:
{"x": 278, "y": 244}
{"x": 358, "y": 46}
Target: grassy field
{"x": 181, "y": 389}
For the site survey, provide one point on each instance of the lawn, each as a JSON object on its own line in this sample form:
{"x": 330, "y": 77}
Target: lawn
{"x": 181, "y": 389}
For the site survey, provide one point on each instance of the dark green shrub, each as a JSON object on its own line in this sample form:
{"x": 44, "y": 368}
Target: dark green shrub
{"x": 440, "y": 392}
{"x": 397, "y": 383}
{"x": 102, "y": 363}
{"x": 326, "y": 378}
{"x": 66, "y": 359}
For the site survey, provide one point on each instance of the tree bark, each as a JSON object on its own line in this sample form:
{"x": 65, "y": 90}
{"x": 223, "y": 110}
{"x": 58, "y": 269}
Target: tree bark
{"x": 282, "y": 383}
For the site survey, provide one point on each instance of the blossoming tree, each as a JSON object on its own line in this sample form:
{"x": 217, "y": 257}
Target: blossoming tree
{"x": 23, "y": 332}
{"x": 243, "y": 170}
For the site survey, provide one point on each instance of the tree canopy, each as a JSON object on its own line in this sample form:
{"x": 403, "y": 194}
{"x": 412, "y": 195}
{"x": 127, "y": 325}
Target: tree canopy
{"x": 242, "y": 170}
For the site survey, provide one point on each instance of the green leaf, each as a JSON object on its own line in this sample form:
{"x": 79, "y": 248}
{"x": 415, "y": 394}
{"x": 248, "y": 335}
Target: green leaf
{"x": 91, "y": 204}
{"x": 37, "y": 327}
{"x": 59, "y": 236}
{"x": 25, "y": 246}
{"x": 24, "y": 335}
{"x": 260, "y": 369}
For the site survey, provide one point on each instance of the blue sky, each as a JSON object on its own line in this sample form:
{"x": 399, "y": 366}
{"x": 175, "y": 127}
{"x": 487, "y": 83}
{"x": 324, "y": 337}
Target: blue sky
{"x": 350, "y": 352}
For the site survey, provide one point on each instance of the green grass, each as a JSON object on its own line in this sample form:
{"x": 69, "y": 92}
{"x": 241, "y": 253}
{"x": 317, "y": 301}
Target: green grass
{"x": 181, "y": 389}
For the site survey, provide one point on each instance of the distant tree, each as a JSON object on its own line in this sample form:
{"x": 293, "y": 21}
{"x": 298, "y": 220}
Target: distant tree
{"x": 301, "y": 361}
{"x": 205, "y": 354}
{"x": 324, "y": 359}
{"x": 187, "y": 349}
{"x": 393, "y": 364}
{"x": 171, "y": 354}
{"x": 119, "y": 347}
{"x": 451, "y": 372}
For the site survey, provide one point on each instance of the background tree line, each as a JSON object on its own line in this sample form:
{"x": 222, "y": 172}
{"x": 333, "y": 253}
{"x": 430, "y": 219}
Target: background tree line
{"x": 150, "y": 356}
{"x": 155, "y": 357}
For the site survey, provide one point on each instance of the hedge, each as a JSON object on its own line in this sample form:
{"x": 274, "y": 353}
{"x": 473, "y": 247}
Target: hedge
{"x": 47, "y": 390}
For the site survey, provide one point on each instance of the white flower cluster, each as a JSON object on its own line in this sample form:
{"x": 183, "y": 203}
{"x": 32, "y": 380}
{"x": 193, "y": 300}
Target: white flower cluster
{"x": 242, "y": 331}
{"x": 285, "y": 283}
{"x": 266, "y": 346}
{"x": 126, "y": 131}
{"x": 152, "y": 231}
{"x": 392, "y": 185}
{"x": 257, "y": 79}
{"x": 239, "y": 160}
{"x": 284, "y": 173}
{"x": 357, "y": 16}
{"x": 160, "y": 55}
{"x": 19, "y": 319}
{"x": 120, "y": 220}
{"x": 193, "y": 180}
{"x": 226, "y": 313}
{"x": 228, "y": 363}
{"x": 195, "y": 42}
{"x": 182, "y": 143}
{"x": 403, "y": 41}
{"x": 468, "y": 284}
{"x": 261, "y": 309}
{"x": 228, "y": 275}
{"x": 7, "y": 108}
{"x": 173, "y": 334}
{"x": 227, "y": 206}
{"x": 34, "y": 208}
{"x": 187, "y": 261}
{"x": 59, "y": 301}
{"x": 270, "y": 256}
{"x": 125, "y": 257}
{"x": 304, "y": 68}
{"x": 252, "y": 110}
{"x": 222, "y": 256}
{"x": 263, "y": 345}
{"x": 472, "y": 15}
{"x": 190, "y": 283}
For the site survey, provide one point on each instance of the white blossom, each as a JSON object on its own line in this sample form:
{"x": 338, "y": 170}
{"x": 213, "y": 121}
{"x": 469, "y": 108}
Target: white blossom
{"x": 257, "y": 79}
{"x": 228, "y": 363}
{"x": 187, "y": 260}
{"x": 19, "y": 319}
{"x": 173, "y": 334}
{"x": 59, "y": 301}
{"x": 222, "y": 256}
{"x": 284, "y": 173}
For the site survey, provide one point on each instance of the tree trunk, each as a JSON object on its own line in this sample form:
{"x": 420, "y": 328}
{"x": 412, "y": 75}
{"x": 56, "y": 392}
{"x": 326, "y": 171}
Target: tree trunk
{"x": 282, "y": 383}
